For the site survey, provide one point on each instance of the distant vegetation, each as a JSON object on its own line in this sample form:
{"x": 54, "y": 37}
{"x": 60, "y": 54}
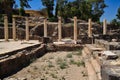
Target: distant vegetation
{"x": 83, "y": 9}
{"x": 8, "y": 7}
{"x": 115, "y": 23}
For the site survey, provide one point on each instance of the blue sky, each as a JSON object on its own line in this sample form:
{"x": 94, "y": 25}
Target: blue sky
{"x": 110, "y": 11}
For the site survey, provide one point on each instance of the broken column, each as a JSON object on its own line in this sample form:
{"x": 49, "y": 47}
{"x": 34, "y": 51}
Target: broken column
{"x": 27, "y": 29}
{"x": 6, "y": 27}
{"x": 75, "y": 28}
{"x": 89, "y": 28}
{"x": 45, "y": 27}
{"x": 59, "y": 29}
{"x": 104, "y": 27}
{"x": 14, "y": 28}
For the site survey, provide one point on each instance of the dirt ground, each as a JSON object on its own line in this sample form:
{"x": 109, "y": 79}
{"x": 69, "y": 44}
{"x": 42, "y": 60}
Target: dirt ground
{"x": 54, "y": 66}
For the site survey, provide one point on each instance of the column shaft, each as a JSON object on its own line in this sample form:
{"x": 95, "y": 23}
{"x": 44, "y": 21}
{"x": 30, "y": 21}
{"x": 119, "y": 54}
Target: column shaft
{"x": 59, "y": 29}
{"x": 6, "y": 27}
{"x": 45, "y": 28}
{"x": 104, "y": 27}
{"x": 89, "y": 28}
{"x": 14, "y": 28}
{"x": 27, "y": 30}
{"x": 75, "y": 28}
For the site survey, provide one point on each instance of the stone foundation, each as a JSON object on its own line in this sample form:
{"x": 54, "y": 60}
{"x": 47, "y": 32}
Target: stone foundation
{"x": 20, "y": 59}
{"x": 68, "y": 47}
{"x": 16, "y": 62}
{"x": 110, "y": 72}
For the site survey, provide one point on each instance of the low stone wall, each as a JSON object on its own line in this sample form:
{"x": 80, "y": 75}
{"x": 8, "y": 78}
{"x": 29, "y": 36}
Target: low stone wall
{"x": 16, "y": 62}
{"x": 21, "y": 59}
{"x": 68, "y": 47}
{"x": 107, "y": 45}
{"x": 2, "y": 32}
{"x": 110, "y": 72}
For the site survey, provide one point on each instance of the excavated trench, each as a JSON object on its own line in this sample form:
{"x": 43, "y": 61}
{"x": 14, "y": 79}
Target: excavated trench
{"x": 14, "y": 61}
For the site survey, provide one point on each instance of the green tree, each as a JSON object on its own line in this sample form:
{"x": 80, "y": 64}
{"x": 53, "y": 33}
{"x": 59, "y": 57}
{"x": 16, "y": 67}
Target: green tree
{"x": 83, "y": 9}
{"x": 23, "y": 4}
{"x": 118, "y": 13}
{"x": 6, "y": 7}
{"x": 60, "y": 5}
{"x": 49, "y": 4}
{"x": 97, "y": 9}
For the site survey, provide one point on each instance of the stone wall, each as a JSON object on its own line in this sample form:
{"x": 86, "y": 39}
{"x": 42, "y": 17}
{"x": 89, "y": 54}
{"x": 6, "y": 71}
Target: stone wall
{"x": 68, "y": 47}
{"x": 2, "y": 33}
{"x": 110, "y": 72}
{"x": 21, "y": 59}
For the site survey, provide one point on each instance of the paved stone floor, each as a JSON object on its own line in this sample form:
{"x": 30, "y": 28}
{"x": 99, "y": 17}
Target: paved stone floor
{"x": 11, "y": 45}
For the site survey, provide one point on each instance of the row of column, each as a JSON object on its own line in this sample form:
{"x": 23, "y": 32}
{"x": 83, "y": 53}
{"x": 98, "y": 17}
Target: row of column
{"x": 75, "y": 28}
{"x": 14, "y": 28}
{"x": 45, "y": 28}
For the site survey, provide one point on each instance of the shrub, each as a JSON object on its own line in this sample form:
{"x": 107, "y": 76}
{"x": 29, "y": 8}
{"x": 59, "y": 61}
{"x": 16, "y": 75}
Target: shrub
{"x": 69, "y": 56}
{"x": 63, "y": 65}
{"x": 79, "y": 52}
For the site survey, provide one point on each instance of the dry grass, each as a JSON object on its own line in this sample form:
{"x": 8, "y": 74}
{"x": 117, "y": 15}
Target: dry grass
{"x": 55, "y": 66}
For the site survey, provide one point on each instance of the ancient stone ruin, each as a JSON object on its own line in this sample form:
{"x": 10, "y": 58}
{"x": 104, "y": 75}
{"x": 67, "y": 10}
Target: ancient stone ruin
{"x": 97, "y": 46}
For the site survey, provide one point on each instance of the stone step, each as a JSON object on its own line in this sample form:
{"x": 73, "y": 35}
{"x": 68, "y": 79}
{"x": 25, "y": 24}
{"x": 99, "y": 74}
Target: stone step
{"x": 91, "y": 71}
{"x": 96, "y": 67}
{"x": 94, "y": 63}
{"x": 92, "y": 47}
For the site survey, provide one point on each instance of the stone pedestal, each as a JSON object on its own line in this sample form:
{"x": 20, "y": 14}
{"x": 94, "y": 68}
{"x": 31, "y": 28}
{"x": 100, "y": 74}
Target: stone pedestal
{"x": 89, "y": 28}
{"x": 45, "y": 27}
{"x": 104, "y": 27}
{"x": 27, "y": 29}
{"x": 14, "y": 28}
{"x": 6, "y": 27}
{"x": 75, "y": 28}
{"x": 59, "y": 29}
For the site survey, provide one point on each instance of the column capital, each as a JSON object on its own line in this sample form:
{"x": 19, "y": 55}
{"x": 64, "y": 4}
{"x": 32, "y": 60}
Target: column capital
{"x": 5, "y": 16}
{"x": 14, "y": 16}
{"x": 59, "y": 18}
{"x": 75, "y": 17}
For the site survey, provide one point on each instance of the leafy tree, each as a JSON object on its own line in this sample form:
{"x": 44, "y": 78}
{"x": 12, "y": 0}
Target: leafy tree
{"x": 60, "y": 6}
{"x": 49, "y": 4}
{"x": 23, "y": 3}
{"x": 6, "y": 7}
{"x": 83, "y": 9}
{"x": 118, "y": 13}
{"x": 97, "y": 9}
{"x": 115, "y": 23}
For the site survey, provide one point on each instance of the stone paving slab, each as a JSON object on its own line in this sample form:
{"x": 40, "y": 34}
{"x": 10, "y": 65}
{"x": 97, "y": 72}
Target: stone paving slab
{"x": 6, "y": 47}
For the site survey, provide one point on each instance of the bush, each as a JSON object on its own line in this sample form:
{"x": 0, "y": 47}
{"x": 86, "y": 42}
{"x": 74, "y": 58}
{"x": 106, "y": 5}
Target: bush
{"x": 69, "y": 56}
{"x": 53, "y": 19}
{"x": 63, "y": 65}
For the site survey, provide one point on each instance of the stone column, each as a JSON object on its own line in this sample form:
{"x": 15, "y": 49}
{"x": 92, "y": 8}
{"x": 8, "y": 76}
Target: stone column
{"x": 27, "y": 29}
{"x": 104, "y": 27}
{"x": 45, "y": 27}
{"x": 14, "y": 28}
{"x": 89, "y": 28}
{"x": 6, "y": 27}
{"x": 75, "y": 28}
{"x": 59, "y": 29}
